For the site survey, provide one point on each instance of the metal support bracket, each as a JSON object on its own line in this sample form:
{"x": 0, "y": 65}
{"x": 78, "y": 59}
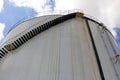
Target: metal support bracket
{"x": 116, "y": 58}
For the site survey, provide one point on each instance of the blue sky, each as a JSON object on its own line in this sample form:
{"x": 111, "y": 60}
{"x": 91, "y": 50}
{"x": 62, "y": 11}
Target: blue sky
{"x": 11, "y": 14}
{"x": 118, "y": 36}
{"x": 12, "y": 11}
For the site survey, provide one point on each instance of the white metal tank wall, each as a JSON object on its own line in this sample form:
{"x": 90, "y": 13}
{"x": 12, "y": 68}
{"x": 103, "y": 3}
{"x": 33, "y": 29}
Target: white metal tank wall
{"x": 63, "y": 52}
{"x": 21, "y": 28}
{"x": 107, "y": 50}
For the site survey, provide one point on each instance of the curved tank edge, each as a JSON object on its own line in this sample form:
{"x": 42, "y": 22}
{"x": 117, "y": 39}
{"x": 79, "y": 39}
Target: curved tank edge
{"x": 44, "y": 13}
{"x": 65, "y": 13}
{"x": 62, "y": 12}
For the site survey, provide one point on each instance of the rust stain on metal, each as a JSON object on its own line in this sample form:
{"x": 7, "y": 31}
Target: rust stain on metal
{"x": 80, "y": 15}
{"x": 9, "y": 47}
{"x": 87, "y": 38}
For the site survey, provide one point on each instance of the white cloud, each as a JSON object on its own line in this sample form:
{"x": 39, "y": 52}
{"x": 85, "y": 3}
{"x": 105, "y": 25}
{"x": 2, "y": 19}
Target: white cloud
{"x": 2, "y": 26}
{"x": 1, "y": 5}
{"x": 38, "y": 5}
{"x": 106, "y": 11}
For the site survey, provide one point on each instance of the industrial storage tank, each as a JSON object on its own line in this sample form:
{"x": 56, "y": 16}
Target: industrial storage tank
{"x": 62, "y": 46}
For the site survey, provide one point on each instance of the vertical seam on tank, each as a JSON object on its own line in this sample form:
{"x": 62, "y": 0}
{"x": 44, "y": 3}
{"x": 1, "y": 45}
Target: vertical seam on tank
{"x": 95, "y": 50}
{"x": 98, "y": 29}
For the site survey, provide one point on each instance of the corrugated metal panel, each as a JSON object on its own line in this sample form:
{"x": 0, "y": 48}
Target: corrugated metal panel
{"x": 74, "y": 49}
{"x": 105, "y": 51}
{"x": 20, "y": 28}
{"x": 63, "y": 52}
